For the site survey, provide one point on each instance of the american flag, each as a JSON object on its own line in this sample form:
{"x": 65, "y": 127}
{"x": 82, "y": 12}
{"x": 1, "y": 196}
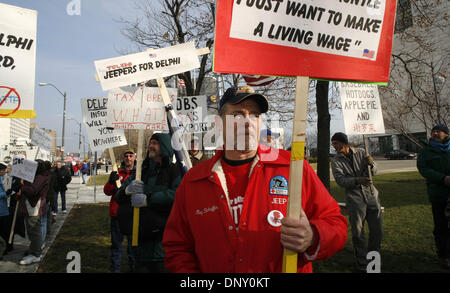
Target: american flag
{"x": 181, "y": 83}
{"x": 368, "y": 53}
{"x": 258, "y": 80}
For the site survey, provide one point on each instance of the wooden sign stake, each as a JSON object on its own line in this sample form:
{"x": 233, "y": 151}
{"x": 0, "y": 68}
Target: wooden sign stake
{"x": 114, "y": 165}
{"x": 296, "y": 167}
{"x": 134, "y": 238}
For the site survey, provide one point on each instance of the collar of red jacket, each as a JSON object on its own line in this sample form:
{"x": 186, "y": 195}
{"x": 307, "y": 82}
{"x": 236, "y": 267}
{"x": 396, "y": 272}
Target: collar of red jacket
{"x": 265, "y": 156}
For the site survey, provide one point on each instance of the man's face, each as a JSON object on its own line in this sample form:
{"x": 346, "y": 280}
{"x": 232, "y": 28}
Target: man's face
{"x": 438, "y": 135}
{"x": 243, "y": 120}
{"x": 128, "y": 159}
{"x": 2, "y": 172}
{"x": 338, "y": 146}
{"x": 154, "y": 149}
{"x": 58, "y": 165}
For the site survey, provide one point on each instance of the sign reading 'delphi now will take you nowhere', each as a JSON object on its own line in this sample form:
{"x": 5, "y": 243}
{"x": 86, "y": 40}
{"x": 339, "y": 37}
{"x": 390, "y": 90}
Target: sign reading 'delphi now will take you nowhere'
{"x": 140, "y": 67}
{"x": 95, "y": 118}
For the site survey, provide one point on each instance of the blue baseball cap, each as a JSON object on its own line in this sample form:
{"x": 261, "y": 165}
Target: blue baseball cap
{"x": 269, "y": 132}
{"x": 237, "y": 95}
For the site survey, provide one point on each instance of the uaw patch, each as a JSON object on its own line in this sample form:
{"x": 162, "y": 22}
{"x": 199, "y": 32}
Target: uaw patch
{"x": 278, "y": 186}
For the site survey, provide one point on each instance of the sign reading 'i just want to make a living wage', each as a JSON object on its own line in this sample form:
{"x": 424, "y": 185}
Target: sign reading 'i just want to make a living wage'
{"x": 329, "y": 39}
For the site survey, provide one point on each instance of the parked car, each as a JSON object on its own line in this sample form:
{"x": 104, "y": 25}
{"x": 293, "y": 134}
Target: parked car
{"x": 400, "y": 154}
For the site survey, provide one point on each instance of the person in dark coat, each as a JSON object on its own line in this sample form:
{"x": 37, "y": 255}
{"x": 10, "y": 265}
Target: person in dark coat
{"x": 154, "y": 195}
{"x": 63, "y": 177}
{"x": 433, "y": 163}
{"x": 32, "y": 205}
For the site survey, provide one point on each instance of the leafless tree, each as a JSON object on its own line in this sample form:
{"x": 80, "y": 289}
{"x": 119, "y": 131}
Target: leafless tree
{"x": 417, "y": 93}
{"x": 165, "y": 23}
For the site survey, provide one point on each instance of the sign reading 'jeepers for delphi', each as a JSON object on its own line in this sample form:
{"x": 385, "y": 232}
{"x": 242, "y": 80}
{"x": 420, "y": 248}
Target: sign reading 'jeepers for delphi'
{"x": 144, "y": 66}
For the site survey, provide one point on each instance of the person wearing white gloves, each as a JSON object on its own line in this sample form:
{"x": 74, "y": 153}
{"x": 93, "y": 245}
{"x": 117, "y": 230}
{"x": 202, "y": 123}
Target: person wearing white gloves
{"x": 154, "y": 195}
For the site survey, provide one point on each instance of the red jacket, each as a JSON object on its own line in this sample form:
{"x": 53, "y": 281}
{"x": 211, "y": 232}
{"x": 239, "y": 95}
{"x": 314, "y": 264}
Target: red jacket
{"x": 200, "y": 235}
{"x": 111, "y": 189}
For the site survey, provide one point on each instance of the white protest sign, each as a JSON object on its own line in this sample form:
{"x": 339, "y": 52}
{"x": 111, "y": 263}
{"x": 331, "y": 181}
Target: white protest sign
{"x": 130, "y": 108}
{"x": 24, "y": 169}
{"x": 140, "y": 67}
{"x": 191, "y": 112}
{"x": 41, "y": 139}
{"x": 17, "y": 61}
{"x": 332, "y": 27}
{"x": 95, "y": 119}
{"x": 361, "y": 108}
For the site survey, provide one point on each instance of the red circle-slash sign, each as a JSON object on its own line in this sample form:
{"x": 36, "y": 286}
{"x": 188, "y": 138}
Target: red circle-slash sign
{"x": 9, "y": 90}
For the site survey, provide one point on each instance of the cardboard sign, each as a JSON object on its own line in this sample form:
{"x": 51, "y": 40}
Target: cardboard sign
{"x": 361, "y": 108}
{"x": 136, "y": 68}
{"x": 42, "y": 139}
{"x": 337, "y": 40}
{"x": 23, "y": 168}
{"x": 132, "y": 108}
{"x": 95, "y": 119}
{"x": 17, "y": 61}
{"x": 191, "y": 112}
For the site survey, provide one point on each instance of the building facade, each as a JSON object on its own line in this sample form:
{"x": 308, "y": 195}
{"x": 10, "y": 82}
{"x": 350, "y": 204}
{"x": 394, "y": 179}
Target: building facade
{"x": 417, "y": 96}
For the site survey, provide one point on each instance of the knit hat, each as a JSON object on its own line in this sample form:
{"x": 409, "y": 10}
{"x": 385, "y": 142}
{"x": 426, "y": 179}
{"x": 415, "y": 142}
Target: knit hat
{"x": 440, "y": 127}
{"x": 340, "y": 136}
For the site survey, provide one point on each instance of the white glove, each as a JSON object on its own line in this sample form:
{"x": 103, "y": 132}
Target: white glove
{"x": 136, "y": 186}
{"x": 138, "y": 200}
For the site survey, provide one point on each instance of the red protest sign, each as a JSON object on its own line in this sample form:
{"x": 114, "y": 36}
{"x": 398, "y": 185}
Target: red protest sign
{"x": 336, "y": 40}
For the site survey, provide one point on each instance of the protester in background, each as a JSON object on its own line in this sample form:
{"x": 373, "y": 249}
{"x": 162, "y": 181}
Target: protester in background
{"x": 126, "y": 170}
{"x": 268, "y": 138}
{"x": 48, "y": 218}
{"x": 19, "y": 227}
{"x": 229, "y": 212}
{"x": 63, "y": 178}
{"x": 4, "y": 211}
{"x": 32, "y": 205}
{"x": 351, "y": 171}
{"x": 75, "y": 170}
{"x": 154, "y": 195}
{"x": 433, "y": 163}
{"x": 195, "y": 154}
{"x": 84, "y": 171}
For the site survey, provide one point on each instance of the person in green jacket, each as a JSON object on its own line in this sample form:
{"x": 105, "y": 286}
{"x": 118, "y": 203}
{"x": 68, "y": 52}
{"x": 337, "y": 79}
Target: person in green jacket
{"x": 154, "y": 195}
{"x": 433, "y": 163}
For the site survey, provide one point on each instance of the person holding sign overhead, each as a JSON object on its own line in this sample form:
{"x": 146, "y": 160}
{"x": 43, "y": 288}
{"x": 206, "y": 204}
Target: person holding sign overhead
{"x": 154, "y": 196}
{"x": 32, "y": 206}
{"x": 350, "y": 170}
{"x": 229, "y": 212}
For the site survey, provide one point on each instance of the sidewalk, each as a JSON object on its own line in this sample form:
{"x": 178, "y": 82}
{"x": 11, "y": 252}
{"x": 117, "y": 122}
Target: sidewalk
{"x": 76, "y": 193}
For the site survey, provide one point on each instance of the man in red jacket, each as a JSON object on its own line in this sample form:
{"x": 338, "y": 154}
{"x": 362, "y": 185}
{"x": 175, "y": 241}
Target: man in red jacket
{"x": 127, "y": 169}
{"x": 228, "y": 214}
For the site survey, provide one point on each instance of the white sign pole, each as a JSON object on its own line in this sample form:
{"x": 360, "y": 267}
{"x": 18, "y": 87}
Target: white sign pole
{"x": 294, "y": 205}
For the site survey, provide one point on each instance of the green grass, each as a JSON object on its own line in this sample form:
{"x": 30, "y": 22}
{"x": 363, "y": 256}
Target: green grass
{"x": 407, "y": 247}
{"x": 408, "y": 243}
{"x": 87, "y": 231}
{"x": 99, "y": 180}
